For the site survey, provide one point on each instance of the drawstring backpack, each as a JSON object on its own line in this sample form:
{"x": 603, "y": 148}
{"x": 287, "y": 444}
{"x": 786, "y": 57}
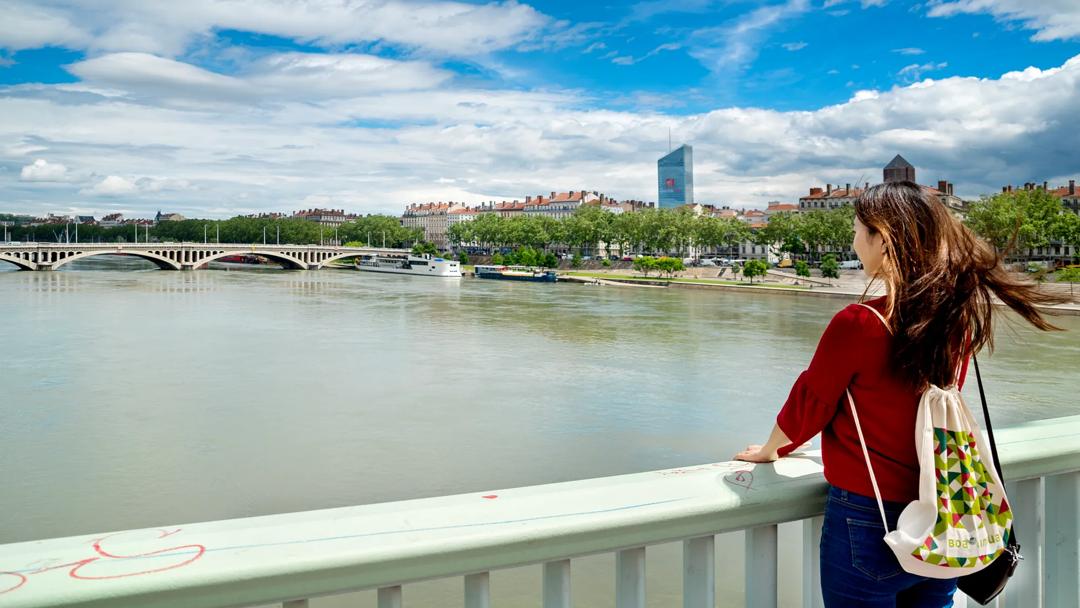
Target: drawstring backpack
{"x": 962, "y": 520}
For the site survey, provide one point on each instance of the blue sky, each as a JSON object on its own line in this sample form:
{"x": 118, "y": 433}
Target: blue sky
{"x": 214, "y": 109}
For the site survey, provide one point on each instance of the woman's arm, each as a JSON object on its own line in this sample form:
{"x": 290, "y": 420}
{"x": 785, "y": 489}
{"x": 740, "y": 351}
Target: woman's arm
{"x": 814, "y": 398}
{"x": 767, "y": 452}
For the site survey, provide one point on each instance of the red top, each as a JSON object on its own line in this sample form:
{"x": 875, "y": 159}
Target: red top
{"x": 854, "y": 354}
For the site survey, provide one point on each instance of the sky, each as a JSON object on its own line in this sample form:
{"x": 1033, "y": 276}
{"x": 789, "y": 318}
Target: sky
{"x": 214, "y": 108}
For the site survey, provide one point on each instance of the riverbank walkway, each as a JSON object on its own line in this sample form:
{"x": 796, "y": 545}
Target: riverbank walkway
{"x": 287, "y": 559}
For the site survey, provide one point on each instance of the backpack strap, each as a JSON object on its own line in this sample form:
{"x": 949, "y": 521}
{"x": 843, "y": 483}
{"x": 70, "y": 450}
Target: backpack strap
{"x": 862, "y": 440}
{"x": 866, "y": 455}
{"x": 959, "y": 366}
{"x": 879, "y": 315}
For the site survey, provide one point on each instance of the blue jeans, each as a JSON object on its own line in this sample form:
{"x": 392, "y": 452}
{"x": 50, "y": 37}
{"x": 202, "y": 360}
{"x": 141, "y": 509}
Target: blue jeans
{"x": 859, "y": 570}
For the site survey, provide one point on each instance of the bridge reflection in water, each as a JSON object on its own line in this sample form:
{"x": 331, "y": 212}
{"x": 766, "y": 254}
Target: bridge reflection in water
{"x": 180, "y": 256}
{"x": 289, "y": 558}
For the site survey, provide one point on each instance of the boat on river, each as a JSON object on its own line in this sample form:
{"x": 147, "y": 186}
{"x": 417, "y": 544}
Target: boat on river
{"x": 424, "y": 265}
{"x": 516, "y": 273}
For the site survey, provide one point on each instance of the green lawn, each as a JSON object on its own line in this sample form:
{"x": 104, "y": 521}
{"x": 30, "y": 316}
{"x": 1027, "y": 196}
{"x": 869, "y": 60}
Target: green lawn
{"x": 601, "y": 275}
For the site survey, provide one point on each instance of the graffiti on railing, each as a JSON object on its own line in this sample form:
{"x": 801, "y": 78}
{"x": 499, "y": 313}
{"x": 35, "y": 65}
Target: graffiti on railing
{"x": 106, "y": 564}
{"x": 743, "y": 478}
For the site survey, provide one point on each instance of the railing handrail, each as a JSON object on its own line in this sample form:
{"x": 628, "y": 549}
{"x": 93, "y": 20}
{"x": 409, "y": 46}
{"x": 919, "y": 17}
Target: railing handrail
{"x": 298, "y": 555}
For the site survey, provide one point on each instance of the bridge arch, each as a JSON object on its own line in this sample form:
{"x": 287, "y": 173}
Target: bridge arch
{"x": 339, "y": 256}
{"x": 160, "y": 261}
{"x": 22, "y": 264}
{"x": 285, "y": 260}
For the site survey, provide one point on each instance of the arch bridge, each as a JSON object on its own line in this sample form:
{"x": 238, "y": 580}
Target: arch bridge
{"x": 180, "y": 256}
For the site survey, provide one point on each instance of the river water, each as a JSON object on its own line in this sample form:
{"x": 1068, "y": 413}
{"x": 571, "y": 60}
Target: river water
{"x": 133, "y": 397}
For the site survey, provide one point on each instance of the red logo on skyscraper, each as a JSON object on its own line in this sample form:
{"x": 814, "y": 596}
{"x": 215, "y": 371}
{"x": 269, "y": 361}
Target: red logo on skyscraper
{"x": 669, "y": 182}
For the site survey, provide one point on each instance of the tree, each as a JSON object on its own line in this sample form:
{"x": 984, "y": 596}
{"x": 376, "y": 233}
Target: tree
{"x": 1015, "y": 221}
{"x": 424, "y": 247}
{"x": 802, "y": 269}
{"x": 575, "y": 262}
{"x": 1068, "y": 229}
{"x": 645, "y": 264}
{"x": 497, "y": 259}
{"x": 830, "y": 268}
{"x": 782, "y": 233}
{"x": 669, "y": 265}
{"x": 463, "y": 258}
{"x": 755, "y": 268}
{"x": 1071, "y": 276}
{"x": 550, "y": 260}
{"x": 838, "y": 228}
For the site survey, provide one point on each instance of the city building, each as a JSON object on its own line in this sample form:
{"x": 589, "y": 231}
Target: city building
{"x": 431, "y": 218}
{"x": 778, "y": 207}
{"x": 558, "y": 206}
{"x": 898, "y": 169}
{"x": 168, "y": 217}
{"x": 675, "y": 177}
{"x": 1070, "y": 198}
{"x": 327, "y": 217}
{"x": 112, "y": 220}
{"x": 829, "y": 197}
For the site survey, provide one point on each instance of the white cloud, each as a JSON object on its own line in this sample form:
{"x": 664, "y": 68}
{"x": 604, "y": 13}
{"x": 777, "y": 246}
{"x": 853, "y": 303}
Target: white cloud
{"x": 629, "y": 60}
{"x": 909, "y": 51}
{"x": 915, "y": 71}
{"x": 794, "y": 46}
{"x": 113, "y": 185}
{"x": 145, "y": 74}
{"x": 116, "y": 186}
{"x": 318, "y": 75}
{"x": 277, "y": 77}
{"x": 1051, "y": 19}
{"x": 26, "y": 25}
{"x": 376, "y": 150}
{"x": 42, "y": 170}
{"x": 863, "y": 3}
{"x": 734, "y": 45}
{"x": 168, "y": 29}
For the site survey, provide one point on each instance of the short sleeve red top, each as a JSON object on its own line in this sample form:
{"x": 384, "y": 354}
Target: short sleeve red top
{"x": 854, "y": 354}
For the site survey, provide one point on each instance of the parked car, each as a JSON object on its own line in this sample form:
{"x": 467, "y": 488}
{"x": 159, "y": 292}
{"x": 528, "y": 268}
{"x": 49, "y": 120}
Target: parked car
{"x": 851, "y": 265}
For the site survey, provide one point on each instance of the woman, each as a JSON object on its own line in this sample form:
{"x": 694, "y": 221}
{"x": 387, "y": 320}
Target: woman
{"x": 940, "y": 279}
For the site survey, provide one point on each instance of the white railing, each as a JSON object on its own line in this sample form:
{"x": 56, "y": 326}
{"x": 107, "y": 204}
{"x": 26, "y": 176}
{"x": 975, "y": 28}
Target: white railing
{"x": 288, "y": 558}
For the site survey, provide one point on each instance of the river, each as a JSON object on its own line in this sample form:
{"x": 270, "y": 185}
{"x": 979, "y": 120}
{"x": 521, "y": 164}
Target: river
{"x": 133, "y": 397}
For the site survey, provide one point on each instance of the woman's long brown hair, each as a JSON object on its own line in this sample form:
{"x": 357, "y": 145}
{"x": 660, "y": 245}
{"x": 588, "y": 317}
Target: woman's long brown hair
{"x": 941, "y": 280}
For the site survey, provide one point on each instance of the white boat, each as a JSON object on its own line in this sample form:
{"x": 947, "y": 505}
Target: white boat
{"x": 424, "y": 265}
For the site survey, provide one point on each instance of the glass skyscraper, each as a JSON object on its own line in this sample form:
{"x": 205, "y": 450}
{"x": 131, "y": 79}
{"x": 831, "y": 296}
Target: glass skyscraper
{"x": 675, "y": 173}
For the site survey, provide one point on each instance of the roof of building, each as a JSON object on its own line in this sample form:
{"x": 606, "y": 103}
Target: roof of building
{"x": 816, "y": 193}
{"x": 899, "y": 162}
{"x": 782, "y": 207}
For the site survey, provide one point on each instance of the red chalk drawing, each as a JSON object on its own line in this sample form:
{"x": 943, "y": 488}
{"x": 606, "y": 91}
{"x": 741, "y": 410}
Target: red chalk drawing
{"x": 107, "y": 564}
{"x": 743, "y": 479}
{"x": 489, "y": 496}
{"x": 6, "y": 579}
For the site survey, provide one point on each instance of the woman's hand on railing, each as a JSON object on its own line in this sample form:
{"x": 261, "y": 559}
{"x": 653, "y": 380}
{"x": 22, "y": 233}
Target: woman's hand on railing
{"x": 757, "y": 453}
